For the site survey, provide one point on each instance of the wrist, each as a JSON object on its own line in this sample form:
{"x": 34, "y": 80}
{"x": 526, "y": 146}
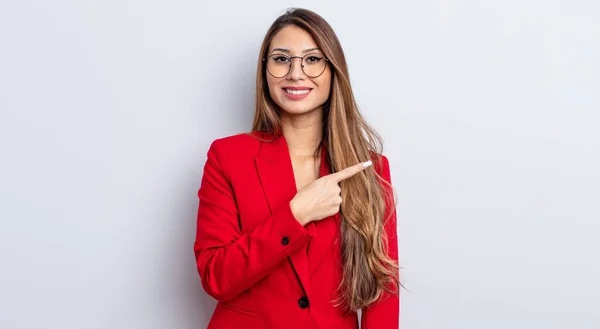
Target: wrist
{"x": 297, "y": 214}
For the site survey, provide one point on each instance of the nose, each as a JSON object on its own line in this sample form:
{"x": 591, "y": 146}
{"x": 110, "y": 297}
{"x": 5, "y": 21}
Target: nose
{"x": 296, "y": 72}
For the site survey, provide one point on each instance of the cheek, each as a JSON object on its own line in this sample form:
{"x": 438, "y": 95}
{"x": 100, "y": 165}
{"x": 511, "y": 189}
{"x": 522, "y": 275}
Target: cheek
{"x": 272, "y": 85}
{"x": 325, "y": 87}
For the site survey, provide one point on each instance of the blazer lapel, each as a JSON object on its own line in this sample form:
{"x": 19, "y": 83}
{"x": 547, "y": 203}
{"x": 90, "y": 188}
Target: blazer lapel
{"x": 274, "y": 167}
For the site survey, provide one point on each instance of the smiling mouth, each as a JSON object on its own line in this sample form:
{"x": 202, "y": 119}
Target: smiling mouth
{"x": 297, "y": 92}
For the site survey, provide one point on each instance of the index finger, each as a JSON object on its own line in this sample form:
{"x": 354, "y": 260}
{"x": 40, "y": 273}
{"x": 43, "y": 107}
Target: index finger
{"x": 350, "y": 171}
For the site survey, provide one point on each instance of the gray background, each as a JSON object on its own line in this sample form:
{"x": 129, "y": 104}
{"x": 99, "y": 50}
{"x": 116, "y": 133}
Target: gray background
{"x": 489, "y": 111}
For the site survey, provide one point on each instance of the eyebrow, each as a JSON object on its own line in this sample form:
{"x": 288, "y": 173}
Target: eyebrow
{"x": 283, "y": 50}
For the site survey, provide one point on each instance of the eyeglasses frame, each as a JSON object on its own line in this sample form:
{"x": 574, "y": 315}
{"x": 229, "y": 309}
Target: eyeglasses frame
{"x": 290, "y": 66}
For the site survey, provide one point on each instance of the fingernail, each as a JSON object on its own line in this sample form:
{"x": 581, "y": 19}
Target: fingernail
{"x": 368, "y": 163}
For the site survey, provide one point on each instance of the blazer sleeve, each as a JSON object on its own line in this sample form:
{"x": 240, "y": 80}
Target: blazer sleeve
{"x": 385, "y": 313}
{"x": 228, "y": 261}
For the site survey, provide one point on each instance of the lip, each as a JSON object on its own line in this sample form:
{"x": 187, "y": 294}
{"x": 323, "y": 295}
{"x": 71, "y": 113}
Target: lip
{"x": 296, "y": 87}
{"x": 296, "y": 97}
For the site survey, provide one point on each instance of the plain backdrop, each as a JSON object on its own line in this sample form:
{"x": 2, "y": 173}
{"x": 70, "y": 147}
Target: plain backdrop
{"x": 489, "y": 110}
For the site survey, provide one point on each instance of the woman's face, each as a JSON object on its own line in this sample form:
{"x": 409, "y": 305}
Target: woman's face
{"x": 297, "y": 93}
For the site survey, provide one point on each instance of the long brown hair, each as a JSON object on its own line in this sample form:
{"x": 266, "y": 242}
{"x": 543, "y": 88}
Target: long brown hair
{"x": 368, "y": 271}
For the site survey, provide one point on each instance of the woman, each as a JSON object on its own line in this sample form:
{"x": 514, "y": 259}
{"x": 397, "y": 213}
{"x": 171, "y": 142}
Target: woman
{"x": 296, "y": 229}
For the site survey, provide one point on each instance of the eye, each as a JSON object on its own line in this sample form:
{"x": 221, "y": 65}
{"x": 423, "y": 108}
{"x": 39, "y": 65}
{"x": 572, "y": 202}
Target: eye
{"x": 280, "y": 59}
{"x": 313, "y": 59}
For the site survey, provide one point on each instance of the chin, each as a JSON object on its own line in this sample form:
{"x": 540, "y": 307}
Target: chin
{"x": 297, "y": 109}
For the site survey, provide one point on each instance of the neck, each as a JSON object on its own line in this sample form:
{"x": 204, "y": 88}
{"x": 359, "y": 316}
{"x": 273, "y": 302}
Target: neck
{"x": 303, "y": 132}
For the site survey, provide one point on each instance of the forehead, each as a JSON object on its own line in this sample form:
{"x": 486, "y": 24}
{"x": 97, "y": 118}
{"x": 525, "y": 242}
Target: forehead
{"x": 293, "y": 38}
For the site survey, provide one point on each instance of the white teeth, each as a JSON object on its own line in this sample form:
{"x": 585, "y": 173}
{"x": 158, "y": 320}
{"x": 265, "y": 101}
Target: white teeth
{"x": 297, "y": 92}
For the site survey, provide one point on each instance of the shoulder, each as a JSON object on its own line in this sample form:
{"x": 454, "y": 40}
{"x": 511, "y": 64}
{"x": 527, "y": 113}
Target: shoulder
{"x": 238, "y": 145}
{"x": 238, "y": 142}
{"x": 235, "y": 149}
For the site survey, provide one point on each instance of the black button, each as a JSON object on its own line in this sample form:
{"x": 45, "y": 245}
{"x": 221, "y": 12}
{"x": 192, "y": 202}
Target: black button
{"x": 303, "y": 302}
{"x": 285, "y": 241}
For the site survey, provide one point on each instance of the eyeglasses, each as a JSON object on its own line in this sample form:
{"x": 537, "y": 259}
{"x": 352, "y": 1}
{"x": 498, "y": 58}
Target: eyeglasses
{"x": 279, "y": 65}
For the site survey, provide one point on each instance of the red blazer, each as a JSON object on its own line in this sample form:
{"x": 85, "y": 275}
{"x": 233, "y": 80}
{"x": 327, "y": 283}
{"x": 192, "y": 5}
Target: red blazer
{"x": 265, "y": 269}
